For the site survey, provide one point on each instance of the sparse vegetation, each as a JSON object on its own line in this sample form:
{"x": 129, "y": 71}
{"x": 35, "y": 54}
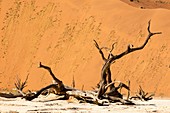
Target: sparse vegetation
{"x": 106, "y": 91}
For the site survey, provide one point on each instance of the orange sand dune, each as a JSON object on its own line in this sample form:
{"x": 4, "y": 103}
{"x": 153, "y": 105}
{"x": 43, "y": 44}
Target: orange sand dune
{"x": 60, "y": 34}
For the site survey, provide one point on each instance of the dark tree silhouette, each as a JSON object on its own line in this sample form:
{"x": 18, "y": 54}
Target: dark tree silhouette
{"x": 106, "y": 73}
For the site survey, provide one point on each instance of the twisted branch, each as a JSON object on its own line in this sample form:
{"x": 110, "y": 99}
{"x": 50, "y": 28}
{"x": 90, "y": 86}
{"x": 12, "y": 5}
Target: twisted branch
{"x": 131, "y": 49}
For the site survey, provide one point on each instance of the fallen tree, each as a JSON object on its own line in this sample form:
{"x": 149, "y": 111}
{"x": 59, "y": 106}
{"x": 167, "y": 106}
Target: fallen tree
{"x": 101, "y": 96}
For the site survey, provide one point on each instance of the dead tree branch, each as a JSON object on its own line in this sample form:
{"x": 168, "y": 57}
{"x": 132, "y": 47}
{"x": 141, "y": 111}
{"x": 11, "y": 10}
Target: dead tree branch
{"x": 128, "y": 90}
{"x": 73, "y": 82}
{"x": 58, "y": 86}
{"x": 142, "y": 95}
{"x": 59, "y": 82}
{"x": 100, "y": 50}
{"x": 131, "y": 49}
{"x": 100, "y": 97}
{"x": 21, "y": 85}
{"x": 106, "y": 73}
{"x": 30, "y": 96}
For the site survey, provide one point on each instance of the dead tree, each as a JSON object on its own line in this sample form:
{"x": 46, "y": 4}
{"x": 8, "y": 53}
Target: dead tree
{"x": 58, "y": 86}
{"x": 100, "y": 97}
{"x": 142, "y": 95}
{"x": 106, "y": 73}
{"x": 111, "y": 59}
{"x": 19, "y": 85}
{"x": 65, "y": 91}
{"x": 106, "y": 81}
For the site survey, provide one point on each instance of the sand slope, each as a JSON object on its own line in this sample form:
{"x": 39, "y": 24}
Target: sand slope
{"x": 60, "y": 34}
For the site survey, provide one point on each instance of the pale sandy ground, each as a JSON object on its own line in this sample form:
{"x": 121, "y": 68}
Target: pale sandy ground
{"x": 57, "y": 106}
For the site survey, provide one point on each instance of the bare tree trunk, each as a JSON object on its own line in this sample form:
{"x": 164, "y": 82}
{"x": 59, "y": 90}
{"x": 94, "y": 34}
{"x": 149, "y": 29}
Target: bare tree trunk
{"x": 111, "y": 58}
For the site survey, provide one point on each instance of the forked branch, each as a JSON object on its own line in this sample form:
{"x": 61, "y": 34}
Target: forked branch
{"x": 131, "y": 49}
{"x": 100, "y": 49}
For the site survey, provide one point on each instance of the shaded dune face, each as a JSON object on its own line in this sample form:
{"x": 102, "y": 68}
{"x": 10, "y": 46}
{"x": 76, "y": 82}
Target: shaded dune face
{"x": 60, "y": 34}
{"x": 149, "y": 4}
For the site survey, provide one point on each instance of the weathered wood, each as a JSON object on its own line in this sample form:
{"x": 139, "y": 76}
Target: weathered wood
{"x": 10, "y": 95}
{"x": 59, "y": 87}
{"x": 59, "y": 82}
{"x": 100, "y": 96}
{"x": 106, "y": 72}
{"x": 31, "y": 96}
{"x": 132, "y": 49}
{"x": 142, "y": 95}
{"x": 111, "y": 58}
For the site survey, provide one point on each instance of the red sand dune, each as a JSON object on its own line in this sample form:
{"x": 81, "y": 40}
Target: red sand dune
{"x": 60, "y": 34}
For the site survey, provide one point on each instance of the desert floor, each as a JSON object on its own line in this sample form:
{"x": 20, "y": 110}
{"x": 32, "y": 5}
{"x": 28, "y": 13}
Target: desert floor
{"x": 43, "y": 104}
